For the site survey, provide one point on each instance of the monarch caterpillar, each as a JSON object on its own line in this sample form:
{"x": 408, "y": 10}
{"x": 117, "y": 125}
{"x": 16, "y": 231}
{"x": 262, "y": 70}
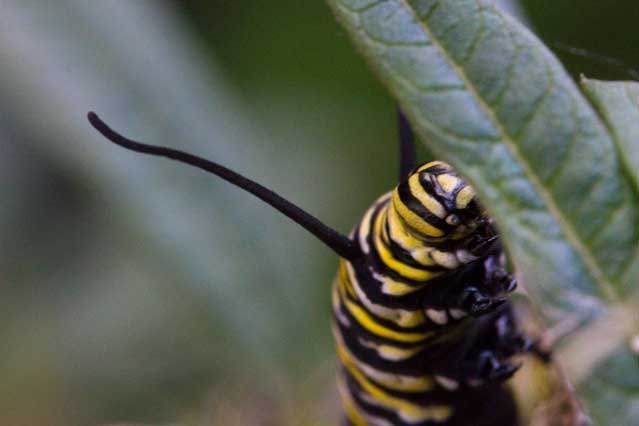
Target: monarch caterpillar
{"x": 424, "y": 332}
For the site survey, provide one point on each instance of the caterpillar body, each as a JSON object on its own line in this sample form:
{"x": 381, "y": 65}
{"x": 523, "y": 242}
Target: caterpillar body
{"x": 411, "y": 350}
{"x": 424, "y": 333}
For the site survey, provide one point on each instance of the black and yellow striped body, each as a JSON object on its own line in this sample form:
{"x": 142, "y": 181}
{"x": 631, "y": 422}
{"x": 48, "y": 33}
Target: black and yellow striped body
{"x": 410, "y": 353}
{"x": 423, "y": 331}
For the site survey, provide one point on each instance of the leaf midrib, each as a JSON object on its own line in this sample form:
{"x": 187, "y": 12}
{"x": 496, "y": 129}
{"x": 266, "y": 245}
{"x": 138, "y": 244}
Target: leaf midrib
{"x": 592, "y": 265}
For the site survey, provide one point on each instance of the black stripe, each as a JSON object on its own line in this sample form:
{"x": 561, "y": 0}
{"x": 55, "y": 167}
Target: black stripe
{"x": 373, "y": 289}
{"x": 380, "y": 266}
{"x": 409, "y": 367}
{"x": 488, "y": 405}
{"x": 461, "y": 185}
{"x": 378, "y": 411}
{"x": 435, "y": 358}
{"x": 436, "y": 395}
{"x": 354, "y": 389}
{"x": 388, "y": 323}
{"x": 360, "y": 331}
{"x": 414, "y": 205}
{"x": 430, "y": 184}
{"x": 404, "y": 255}
{"x": 439, "y": 169}
{"x": 445, "y": 353}
{"x": 435, "y": 290}
{"x": 441, "y": 244}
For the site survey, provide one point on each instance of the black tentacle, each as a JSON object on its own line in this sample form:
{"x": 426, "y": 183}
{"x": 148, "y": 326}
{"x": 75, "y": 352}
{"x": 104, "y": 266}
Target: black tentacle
{"x": 407, "y": 153}
{"x": 339, "y": 243}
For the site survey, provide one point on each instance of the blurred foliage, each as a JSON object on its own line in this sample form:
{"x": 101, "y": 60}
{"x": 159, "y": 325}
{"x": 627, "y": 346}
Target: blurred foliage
{"x": 601, "y": 28}
{"x": 136, "y": 290}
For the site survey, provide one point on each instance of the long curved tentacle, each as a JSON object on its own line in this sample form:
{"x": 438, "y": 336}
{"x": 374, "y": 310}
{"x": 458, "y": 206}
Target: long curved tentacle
{"x": 339, "y": 243}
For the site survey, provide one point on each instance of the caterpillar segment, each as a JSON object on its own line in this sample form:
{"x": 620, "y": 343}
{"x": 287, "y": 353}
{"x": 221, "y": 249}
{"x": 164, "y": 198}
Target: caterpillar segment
{"x": 421, "y": 327}
{"x": 423, "y": 331}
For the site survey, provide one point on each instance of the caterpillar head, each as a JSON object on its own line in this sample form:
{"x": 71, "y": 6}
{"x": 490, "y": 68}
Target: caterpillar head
{"x": 436, "y": 204}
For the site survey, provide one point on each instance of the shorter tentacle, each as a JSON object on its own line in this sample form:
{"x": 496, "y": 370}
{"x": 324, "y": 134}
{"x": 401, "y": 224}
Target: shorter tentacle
{"x": 407, "y": 152}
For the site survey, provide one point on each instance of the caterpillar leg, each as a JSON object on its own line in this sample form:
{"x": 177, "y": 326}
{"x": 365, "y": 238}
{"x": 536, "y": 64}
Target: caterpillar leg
{"x": 487, "y": 366}
{"x": 476, "y": 302}
{"x": 494, "y": 362}
{"x": 503, "y": 342}
{"x": 510, "y": 340}
{"x": 496, "y": 276}
{"x": 486, "y": 353}
{"x": 513, "y": 341}
{"x": 478, "y": 291}
{"x": 491, "y": 368}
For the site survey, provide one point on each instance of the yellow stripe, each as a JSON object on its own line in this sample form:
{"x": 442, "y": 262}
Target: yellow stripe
{"x": 382, "y": 219}
{"x": 406, "y": 410}
{"x": 392, "y": 381}
{"x": 402, "y": 317}
{"x": 448, "y": 182}
{"x": 464, "y": 197}
{"x": 399, "y": 233}
{"x": 424, "y": 256}
{"x": 425, "y": 198}
{"x": 418, "y": 249}
{"x": 335, "y": 297}
{"x": 352, "y": 411}
{"x": 398, "y": 354}
{"x": 396, "y": 288}
{"x": 400, "y": 267}
{"x": 392, "y": 353}
{"x": 414, "y": 221}
{"x": 433, "y": 164}
{"x": 394, "y": 264}
{"x": 366, "y": 321}
{"x": 341, "y": 285}
{"x": 445, "y": 258}
{"x": 344, "y": 278}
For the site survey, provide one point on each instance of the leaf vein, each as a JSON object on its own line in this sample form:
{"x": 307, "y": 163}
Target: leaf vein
{"x": 551, "y": 179}
{"x": 480, "y": 33}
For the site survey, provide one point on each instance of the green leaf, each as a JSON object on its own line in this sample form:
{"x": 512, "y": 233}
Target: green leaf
{"x": 618, "y": 104}
{"x": 492, "y": 100}
{"x": 613, "y": 389}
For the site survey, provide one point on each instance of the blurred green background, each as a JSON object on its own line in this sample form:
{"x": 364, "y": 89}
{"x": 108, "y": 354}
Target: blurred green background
{"x": 137, "y": 290}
